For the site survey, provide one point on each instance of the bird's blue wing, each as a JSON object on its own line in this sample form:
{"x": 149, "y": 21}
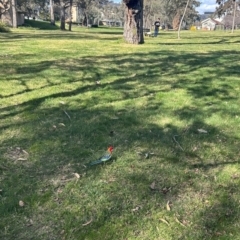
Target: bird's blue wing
{"x": 100, "y": 160}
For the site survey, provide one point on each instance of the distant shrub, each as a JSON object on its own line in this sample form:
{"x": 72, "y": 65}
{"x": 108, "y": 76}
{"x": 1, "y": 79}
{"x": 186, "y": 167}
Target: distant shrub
{"x": 4, "y": 27}
{"x": 193, "y": 28}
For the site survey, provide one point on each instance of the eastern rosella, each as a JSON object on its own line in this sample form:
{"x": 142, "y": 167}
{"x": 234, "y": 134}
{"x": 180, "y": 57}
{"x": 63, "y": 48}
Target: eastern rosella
{"x": 107, "y": 156}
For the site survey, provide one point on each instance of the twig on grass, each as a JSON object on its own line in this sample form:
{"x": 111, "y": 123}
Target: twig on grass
{"x": 177, "y": 142}
{"x": 21, "y": 159}
{"x": 87, "y": 223}
{"x": 67, "y": 114}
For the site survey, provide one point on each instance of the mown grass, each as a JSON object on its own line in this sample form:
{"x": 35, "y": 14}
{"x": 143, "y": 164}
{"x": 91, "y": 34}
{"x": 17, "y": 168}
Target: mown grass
{"x": 152, "y": 99}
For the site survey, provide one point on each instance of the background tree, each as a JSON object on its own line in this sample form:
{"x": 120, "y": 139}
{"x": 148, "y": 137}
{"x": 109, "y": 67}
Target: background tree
{"x": 63, "y": 5}
{"x": 14, "y": 13}
{"x": 86, "y": 7}
{"x": 152, "y": 11}
{"x": 70, "y": 15}
{"x": 52, "y": 18}
{"x": 234, "y": 14}
{"x": 180, "y": 25}
{"x": 174, "y": 9}
{"x": 133, "y": 25}
{"x": 228, "y": 8}
{"x": 4, "y": 7}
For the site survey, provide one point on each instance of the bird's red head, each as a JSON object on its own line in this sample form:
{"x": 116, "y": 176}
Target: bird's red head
{"x": 110, "y": 149}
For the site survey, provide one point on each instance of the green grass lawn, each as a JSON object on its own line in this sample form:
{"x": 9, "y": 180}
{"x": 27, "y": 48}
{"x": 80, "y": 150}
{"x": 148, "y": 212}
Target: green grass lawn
{"x": 174, "y": 101}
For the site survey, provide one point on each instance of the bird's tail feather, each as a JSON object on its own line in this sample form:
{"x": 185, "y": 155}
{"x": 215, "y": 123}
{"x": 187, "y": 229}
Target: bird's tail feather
{"x": 95, "y": 162}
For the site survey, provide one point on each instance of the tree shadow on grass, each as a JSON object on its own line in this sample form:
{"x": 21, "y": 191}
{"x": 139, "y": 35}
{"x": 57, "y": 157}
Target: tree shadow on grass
{"x": 60, "y": 35}
{"x": 118, "y": 195}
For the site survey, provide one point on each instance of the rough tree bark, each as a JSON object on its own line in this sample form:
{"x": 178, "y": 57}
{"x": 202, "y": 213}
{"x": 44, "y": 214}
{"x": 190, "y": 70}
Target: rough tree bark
{"x": 133, "y": 26}
{"x": 14, "y": 14}
{"x": 52, "y": 12}
{"x": 234, "y": 15}
{"x": 70, "y": 15}
{"x": 62, "y": 15}
{"x": 4, "y": 7}
{"x": 176, "y": 21}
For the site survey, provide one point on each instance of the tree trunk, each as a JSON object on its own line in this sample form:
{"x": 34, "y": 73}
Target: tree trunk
{"x": 85, "y": 20}
{"x": 62, "y": 13}
{"x": 70, "y": 15}
{"x": 234, "y": 15}
{"x": 52, "y": 12}
{"x": 133, "y": 26}
{"x": 180, "y": 25}
{"x": 14, "y": 14}
{"x": 4, "y": 7}
{"x": 176, "y": 21}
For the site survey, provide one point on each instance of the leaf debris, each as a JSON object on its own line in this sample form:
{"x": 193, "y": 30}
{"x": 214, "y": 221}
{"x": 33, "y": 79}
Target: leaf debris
{"x": 164, "y": 221}
{"x": 87, "y": 223}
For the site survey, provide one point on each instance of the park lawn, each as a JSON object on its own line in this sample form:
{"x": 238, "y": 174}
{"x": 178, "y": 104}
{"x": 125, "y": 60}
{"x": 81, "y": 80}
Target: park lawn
{"x": 169, "y": 107}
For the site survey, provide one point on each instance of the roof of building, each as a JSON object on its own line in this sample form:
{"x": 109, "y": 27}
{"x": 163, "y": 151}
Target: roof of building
{"x": 213, "y": 20}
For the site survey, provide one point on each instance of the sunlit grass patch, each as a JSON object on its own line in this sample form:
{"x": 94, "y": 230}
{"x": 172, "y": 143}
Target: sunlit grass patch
{"x": 170, "y": 108}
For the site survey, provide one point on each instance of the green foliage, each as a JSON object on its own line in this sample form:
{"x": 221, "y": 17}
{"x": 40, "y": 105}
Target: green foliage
{"x": 225, "y": 6}
{"x": 4, "y": 27}
{"x": 170, "y": 108}
{"x": 168, "y": 10}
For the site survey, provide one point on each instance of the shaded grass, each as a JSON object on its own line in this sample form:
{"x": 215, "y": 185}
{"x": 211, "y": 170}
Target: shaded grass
{"x": 149, "y": 95}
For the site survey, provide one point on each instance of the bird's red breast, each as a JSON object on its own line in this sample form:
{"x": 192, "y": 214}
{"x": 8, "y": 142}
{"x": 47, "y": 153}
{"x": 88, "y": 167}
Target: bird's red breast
{"x": 110, "y": 149}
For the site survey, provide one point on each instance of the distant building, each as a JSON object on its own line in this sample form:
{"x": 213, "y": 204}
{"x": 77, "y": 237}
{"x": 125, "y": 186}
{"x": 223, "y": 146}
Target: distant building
{"x": 210, "y": 24}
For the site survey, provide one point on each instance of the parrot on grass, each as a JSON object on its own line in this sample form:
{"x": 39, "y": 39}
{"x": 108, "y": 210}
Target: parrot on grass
{"x": 107, "y": 156}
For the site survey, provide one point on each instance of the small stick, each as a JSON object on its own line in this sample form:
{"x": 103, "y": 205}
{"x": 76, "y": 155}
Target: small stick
{"x": 85, "y": 224}
{"x": 177, "y": 142}
{"x": 21, "y": 159}
{"x": 67, "y": 115}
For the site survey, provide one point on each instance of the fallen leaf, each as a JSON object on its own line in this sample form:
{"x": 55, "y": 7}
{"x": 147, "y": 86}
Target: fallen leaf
{"x": 30, "y": 223}
{"x": 165, "y": 190}
{"x": 136, "y": 208}
{"x": 62, "y": 102}
{"x": 153, "y": 186}
{"x": 168, "y": 207}
{"x": 61, "y": 124}
{"x": 194, "y": 149}
{"x": 25, "y": 152}
{"x": 133, "y": 75}
{"x": 76, "y": 175}
{"x": 165, "y": 221}
{"x": 87, "y": 223}
{"x": 21, "y": 203}
{"x": 202, "y": 131}
{"x": 21, "y": 159}
{"x": 179, "y": 222}
{"x": 235, "y": 176}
